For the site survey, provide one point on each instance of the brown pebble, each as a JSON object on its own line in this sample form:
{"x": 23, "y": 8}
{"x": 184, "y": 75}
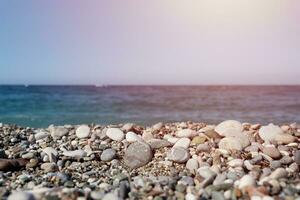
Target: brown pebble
{"x": 12, "y": 164}
{"x": 272, "y": 152}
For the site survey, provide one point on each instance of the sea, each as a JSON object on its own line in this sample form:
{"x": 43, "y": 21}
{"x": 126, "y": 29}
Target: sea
{"x": 40, "y": 106}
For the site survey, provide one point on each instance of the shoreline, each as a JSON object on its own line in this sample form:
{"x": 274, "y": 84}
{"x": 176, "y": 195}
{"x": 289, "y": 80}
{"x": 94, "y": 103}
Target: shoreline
{"x": 183, "y": 160}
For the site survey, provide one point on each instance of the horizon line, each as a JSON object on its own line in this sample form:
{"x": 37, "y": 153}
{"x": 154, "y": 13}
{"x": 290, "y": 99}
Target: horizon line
{"x": 142, "y": 85}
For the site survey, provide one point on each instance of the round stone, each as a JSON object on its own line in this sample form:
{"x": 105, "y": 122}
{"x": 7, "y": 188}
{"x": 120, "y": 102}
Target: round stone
{"x": 183, "y": 142}
{"x": 297, "y": 157}
{"x": 108, "y": 155}
{"x": 227, "y": 126}
{"x": 178, "y": 154}
{"x": 268, "y": 133}
{"x": 21, "y": 196}
{"x": 198, "y": 140}
{"x": 75, "y": 154}
{"x": 284, "y": 138}
{"x": 272, "y": 152}
{"x": 245, "y": 181}
{"x": 132, "y": 137}
{"x": 49, "y": 167}
{"x": 137, "y": 155}
{"x": 41, "y": 135}
{"x": 115, "y": 134}
{"x": 279, "y": 173}
{"x": 235, "y": 163}
{"x": 158, "y": 143}
{"x": 192, "y": 164}
{"x": 185, "y": 133}
{"x": 58, "y": 131}
{"x": 83, "y": 131}
{"x": 230, "y": 144}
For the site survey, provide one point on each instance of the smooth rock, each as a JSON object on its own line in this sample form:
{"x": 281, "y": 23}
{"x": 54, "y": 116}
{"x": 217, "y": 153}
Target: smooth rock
{"x": 115, "y": 134}
{"x": 83, "y": 131}
{"x": 178, "y": 154}
{"x": 183, "y": 142}
{"x": 192, "y": 164}
{"x": 58, "y": 131}
{"x": 272, "y": 152}
{"x": 75, "y": 154}
{"x": 235, "y": 163}
{"x": 157, "y": 126}
{"x": 49, "y": 167}
{"x": 297, "y": 157}
{"x": 137, "y": 155}
{"x": 270, "y": 132}
{"x": 203, "y": 148}
{"x": 41, "y": 135}
{"x": 279, "y": 173}
{"x": 21, "y": 196}
{"x": 206, "y": 172}
{"x": 284, "y": 138}
{"x": 245, "y": 181}
{"x": 158, "y": 143}
{"x": 108, "y": 155}
{"x": 132, "y": 137}
{"x": 147, "y": 136}
{"x": 185, "y": 133}
{"x": 190, "y": 196}
{"x": 28, "y": 155}
{"x": 12, "y": 164}
{"x": 227, "y": 125}
{"x": 198, "y": 140}
{"x": 230, "y": 144}
{"x": 212, "y": 134}
{"x": 50, "y": 150}
{"x": 110, "y": 196}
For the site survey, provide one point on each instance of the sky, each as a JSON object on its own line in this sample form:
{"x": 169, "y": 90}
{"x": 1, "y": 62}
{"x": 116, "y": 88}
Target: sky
{"x": 150, "y": 42}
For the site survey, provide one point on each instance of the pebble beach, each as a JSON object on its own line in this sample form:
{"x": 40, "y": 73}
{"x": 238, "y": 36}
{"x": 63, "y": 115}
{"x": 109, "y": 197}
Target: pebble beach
{"x": 184, "y": 160}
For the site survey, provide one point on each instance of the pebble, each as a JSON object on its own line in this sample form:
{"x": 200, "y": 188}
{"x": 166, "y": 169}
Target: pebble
{"x": 284, "y": 138}
{"x": 178, "y": 154}
{"x": 183, "y": 142}
{"x": 132, "y": 137}
{"x": 198, "y": 140}
{"x": 297, "y": 157}
{"x": 108, "y": 155}
{"x": 158, "y": 143}
{"x": 185, "y": 133}
{"x": 192, "y": 164}
{"x": 41, "y": 135}
{"x": 58, "y": 132}
{"x": 190, "y": 196}
{"x": 110, "y": 196}
{"x": 21, "y": 196}
{"x": 235, "y": 163}
{"x": 49, "y": 167}
{"x": 83, "y": 131}
{"x": 49, "y": 151}
{"x": 270, "y": 132}
{"x": 203, "y": 148}
{"x": 272, "y": 152}
{"x": 279, "y": 173}
{"x": 147, "y": 136}
{"x": 115, "y": 134}
{"x": 28, "y": 155}
{"x": 227, "y": 126}
{"x": 230, "y": 144}
{"x": 245, "y": 181}
{"x": 75, "y": 154}
{"x": 137, "y": 155}
{"x": 206, "y": 172}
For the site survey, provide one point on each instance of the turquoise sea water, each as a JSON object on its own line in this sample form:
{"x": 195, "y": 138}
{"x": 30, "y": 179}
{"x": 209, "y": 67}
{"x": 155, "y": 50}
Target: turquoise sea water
{"x": 40, "y": 106}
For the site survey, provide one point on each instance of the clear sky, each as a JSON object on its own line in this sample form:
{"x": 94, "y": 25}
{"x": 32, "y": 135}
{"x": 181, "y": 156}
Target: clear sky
{"x": 150, "y": 42}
